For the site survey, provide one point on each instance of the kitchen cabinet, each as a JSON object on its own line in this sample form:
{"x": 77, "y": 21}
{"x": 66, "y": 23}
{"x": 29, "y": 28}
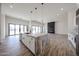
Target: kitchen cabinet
{"x": 33, "y": 42}
{"x": 29, "y": 42}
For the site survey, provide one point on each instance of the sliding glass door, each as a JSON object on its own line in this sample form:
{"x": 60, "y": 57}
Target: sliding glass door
{"x": 21, "y": 29}
{"x": 11, "y": 29}
{"x": 17, "y": 29}
{"x": 25, "y": 29}
{"x": 36, "y": 29}
{"x": 14, "y": 29}
{"x": 33, "y": 29}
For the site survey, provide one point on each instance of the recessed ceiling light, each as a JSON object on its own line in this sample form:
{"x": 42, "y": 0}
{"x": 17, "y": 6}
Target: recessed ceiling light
{"x": 62, "y": 9}
{"x": 11, "y": 6}
{"x": 35, "y": 8}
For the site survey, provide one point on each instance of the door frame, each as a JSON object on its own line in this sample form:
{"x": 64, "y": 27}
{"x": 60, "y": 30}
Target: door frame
{"x": 15, "y": 29}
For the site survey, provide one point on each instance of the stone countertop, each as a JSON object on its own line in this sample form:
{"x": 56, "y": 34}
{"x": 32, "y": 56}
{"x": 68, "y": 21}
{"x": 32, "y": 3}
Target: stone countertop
{"x": 36, "y": 35}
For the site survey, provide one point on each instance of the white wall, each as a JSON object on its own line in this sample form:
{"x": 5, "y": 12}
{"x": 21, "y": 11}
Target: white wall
{"x": 71, "y": 20}
{"x": 0, "y": 22}
{"x": 2, "y": 27}
{"x": 61, "y": 25}
{"x": 65, "y": 23}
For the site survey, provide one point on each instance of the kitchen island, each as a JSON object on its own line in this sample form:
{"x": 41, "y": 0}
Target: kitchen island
{"x": 30, "y": 41}
{"x": 48, "y": 44}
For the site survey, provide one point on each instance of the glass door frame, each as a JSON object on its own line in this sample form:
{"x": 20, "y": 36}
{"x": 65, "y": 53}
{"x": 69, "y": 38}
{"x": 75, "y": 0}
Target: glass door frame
{"x": 9, "y": 29}
{"x": 15, "y": 29}
{"x": 18, "y": 29}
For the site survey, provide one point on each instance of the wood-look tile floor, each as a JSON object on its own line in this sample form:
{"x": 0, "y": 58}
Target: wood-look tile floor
{"x": 55, "y": 45}
{"x": 61, "y": 46}
{"x": 13, "y": 47}
{"x": 58, "y": 46}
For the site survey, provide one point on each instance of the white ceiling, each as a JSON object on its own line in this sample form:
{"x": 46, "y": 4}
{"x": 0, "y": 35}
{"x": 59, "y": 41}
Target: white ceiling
{"x": 48, "y": 12}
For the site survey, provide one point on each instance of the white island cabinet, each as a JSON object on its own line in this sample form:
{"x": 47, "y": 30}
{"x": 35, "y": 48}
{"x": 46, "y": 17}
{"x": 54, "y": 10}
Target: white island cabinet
{"x": 28, "y": 41}
{"x": 32, "y": 42}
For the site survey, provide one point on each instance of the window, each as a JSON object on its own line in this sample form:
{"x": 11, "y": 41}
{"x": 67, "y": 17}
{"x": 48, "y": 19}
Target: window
{"x": 11, "y": 29}
{"x": 36, "y": 29}
{"x": 21, "y": 28}
{"x": 25, "y": 29}
{"x": 16, "y": 29}
{"x": 39, "y": 29}
{"x": 33, "y": 29}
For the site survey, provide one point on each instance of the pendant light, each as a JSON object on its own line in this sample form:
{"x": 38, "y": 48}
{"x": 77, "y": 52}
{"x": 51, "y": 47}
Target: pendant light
{"x": 30, "y": 25}
{"x": 42, "y": 4}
